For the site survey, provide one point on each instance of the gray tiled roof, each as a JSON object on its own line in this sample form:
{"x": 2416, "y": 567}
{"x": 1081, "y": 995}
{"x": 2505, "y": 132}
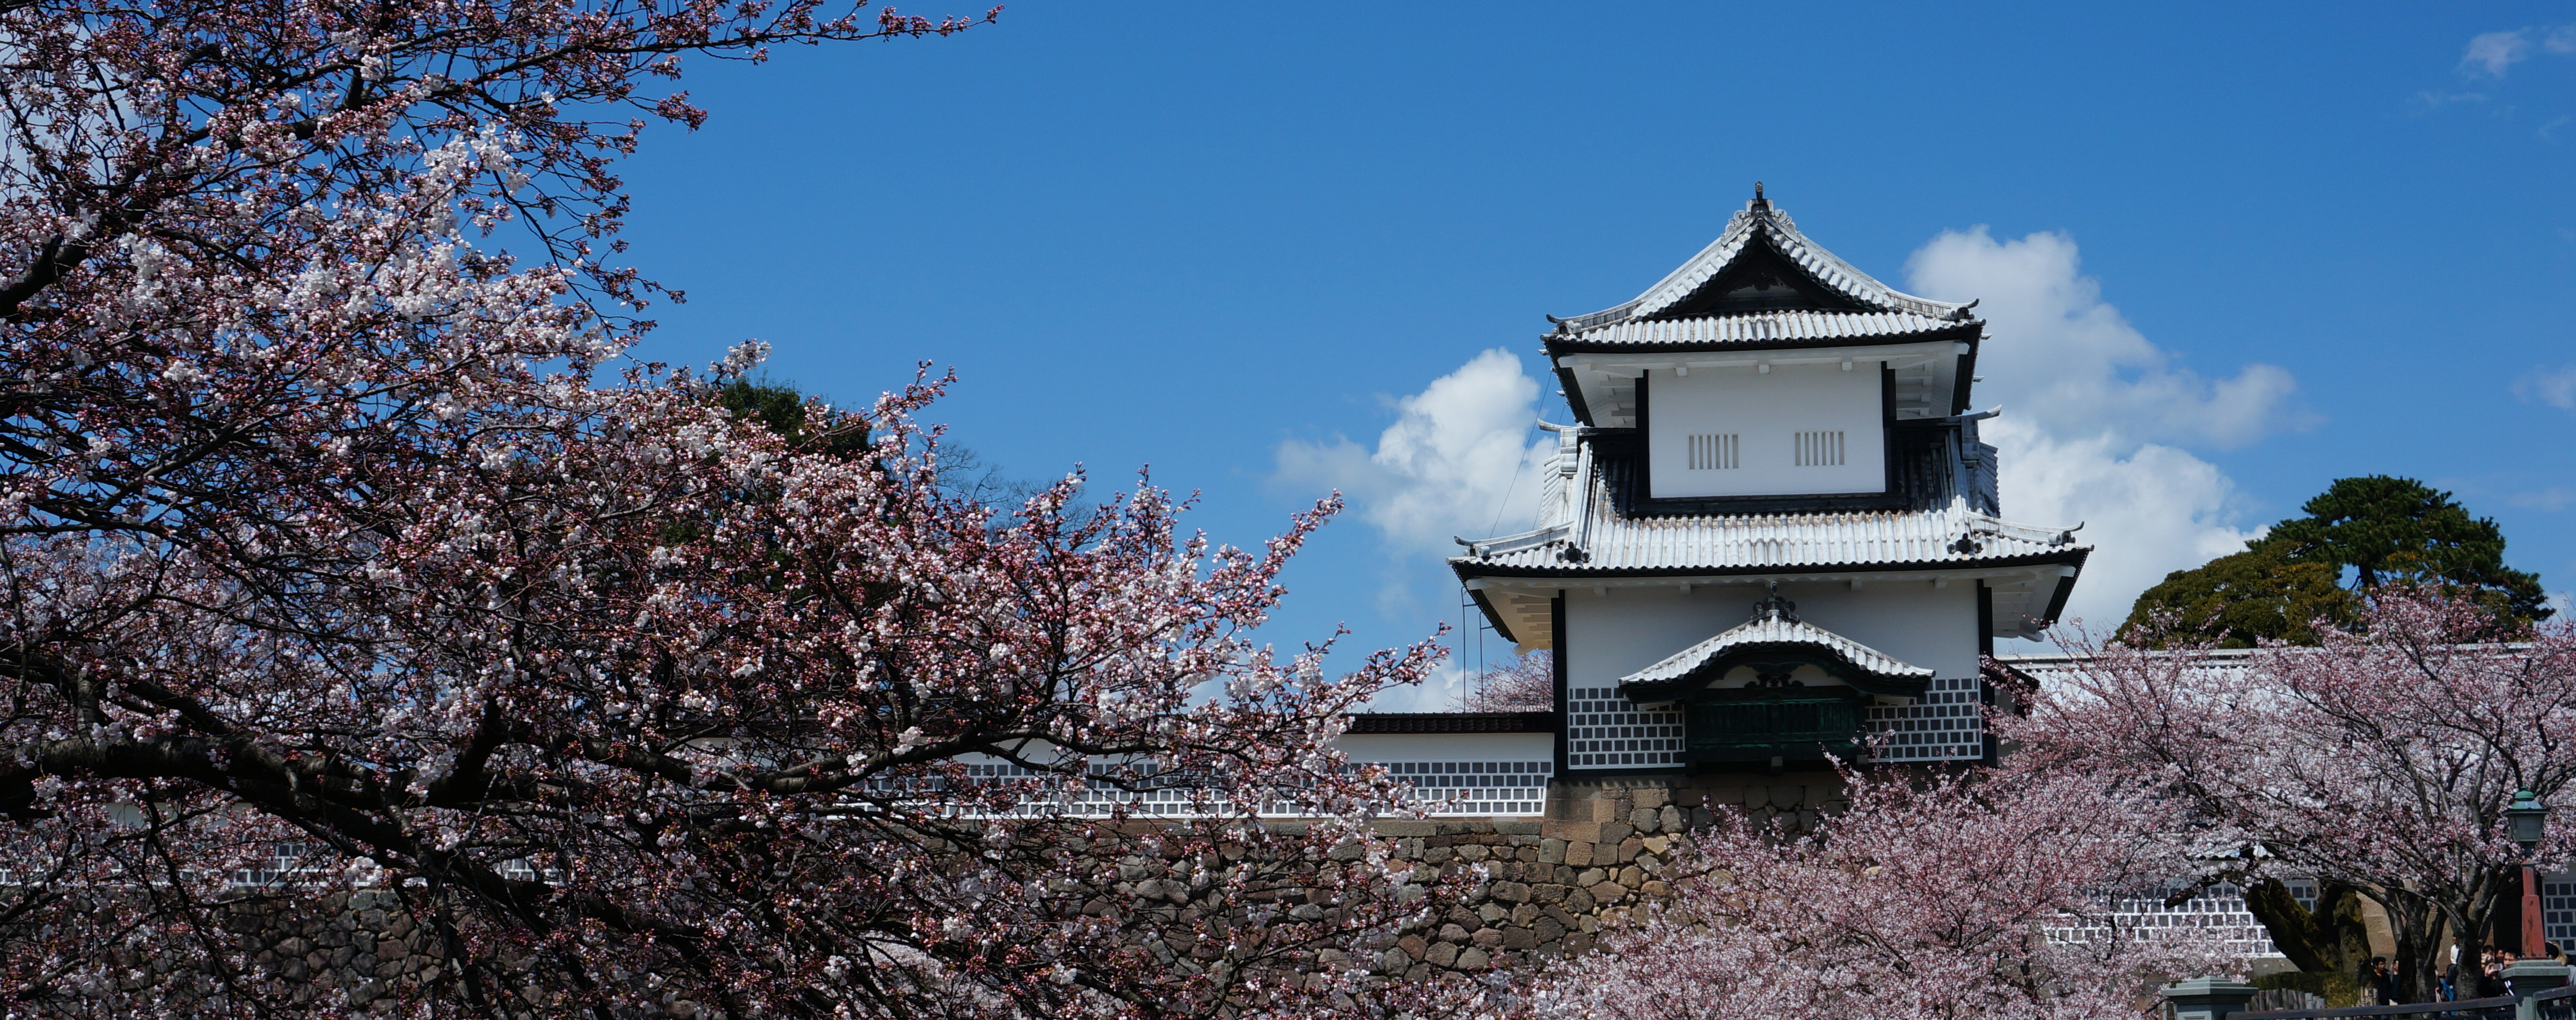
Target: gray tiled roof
{"x": 1770, "y": 629}
{"x": 1586, "y": 526}
{"x": 1760, "y": 221}
{"x": 1763, "y": 328}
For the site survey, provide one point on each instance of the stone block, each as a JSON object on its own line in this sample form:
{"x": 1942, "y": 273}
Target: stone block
{"x": 1490, "y": 938}
{"x": 1602, "y": 807}
{"x": 1443, "y": 955}
{"x": 1672, "y": 818}
{"x": 1414, "y": 946}
{"x": 1547, "y": 929}
{"x": 1650, "y": 864}
{"x": 1549, "y": 892}
{"x": 1438, "y": 854}
{"x": 1516, "y": 826}
{"x": 1632, "y": 876}
{"x": 1523, "y": 915}
{"x": 1475, "y": 959}
{"x": 1787, "y": 796}
{"x": 1578, "y": 854}
{"x": 1645, "y": 819}
{"x": 1511, "y": 892}
{"x": 1393, "y": 961}
{"x": 1657, "y": 844}
{"x": 1405, "y": 828}
{"x": 1551, "y": 851}
{"x": 1520, "y": 939}
{"x": 1579, "y": 902}
{"x": 1492, "y": 912}
{"x": 1591, "y": 876}
{"x": 1613, "y": 832}
{"x": 1473, "y": 852}
{"x": 1656, "y": 888}
{"x": 1608, "y": 892}
{"x": 1629, "y": 848}
{"x": 1651, "y": 796}
{"x": 1453, "y": 933}
{"x": 1573, "y": 831}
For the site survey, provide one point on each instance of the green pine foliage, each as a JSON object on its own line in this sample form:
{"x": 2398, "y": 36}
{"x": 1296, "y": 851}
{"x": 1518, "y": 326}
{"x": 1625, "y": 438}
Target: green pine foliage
{"x": 2358, "y": 535}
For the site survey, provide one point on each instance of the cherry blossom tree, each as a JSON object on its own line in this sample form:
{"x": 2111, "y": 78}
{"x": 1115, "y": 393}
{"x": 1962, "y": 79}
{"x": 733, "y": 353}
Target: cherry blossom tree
{"x": 2383, "y": 760}
{"x": 1527, "y": 683}
{"x": 1965, "y": 895}
{"x": 332, "y": 567}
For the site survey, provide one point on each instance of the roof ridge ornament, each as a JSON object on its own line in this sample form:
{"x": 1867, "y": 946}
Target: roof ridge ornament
{"x": 1775, "y": 607}
{"x": 1759, "y": 202}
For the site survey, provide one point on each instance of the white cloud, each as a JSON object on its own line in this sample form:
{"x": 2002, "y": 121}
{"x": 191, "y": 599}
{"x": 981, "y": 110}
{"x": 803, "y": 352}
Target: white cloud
{"x": 2561, "y": 40}
{"x": 2092, "y": 413}
{"x": 2064, "y": 358}
{"x": 2148, "y": 510}
{"x": 2496, "y": 51}
{"x": 2555, "y": 387}
{"x": 1457, "y": 462}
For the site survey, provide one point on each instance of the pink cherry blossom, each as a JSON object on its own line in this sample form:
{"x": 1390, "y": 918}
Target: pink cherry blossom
{"x": 345, "y": 552}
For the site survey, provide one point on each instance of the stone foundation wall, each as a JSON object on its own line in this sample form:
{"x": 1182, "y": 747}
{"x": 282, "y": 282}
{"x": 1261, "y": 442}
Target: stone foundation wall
{"x": 1595, "y": 860}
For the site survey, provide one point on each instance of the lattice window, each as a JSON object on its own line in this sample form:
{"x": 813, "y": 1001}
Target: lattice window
{"x": 2558, "y": 909}
{"x": 1605, "y": 730}
{"x": 1478, "y": 787}
{"x": 1715, "y": 451}
{"x": 2218, "y": 910}
{"x": 1463, "y": 788}
{"x": 1946, "y": 724}
{"x": 1820, "y": 449}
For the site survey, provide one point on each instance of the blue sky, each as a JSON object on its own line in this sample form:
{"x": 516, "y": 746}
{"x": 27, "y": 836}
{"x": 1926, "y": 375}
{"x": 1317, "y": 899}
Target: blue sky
{"x": 2230, "y": 252}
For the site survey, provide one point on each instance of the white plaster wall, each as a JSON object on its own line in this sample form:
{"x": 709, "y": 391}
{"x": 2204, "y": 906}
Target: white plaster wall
{"x": 1766, "y": 410}
{"x": 1614, "y": 634}
{"x": 1448, "y": 746}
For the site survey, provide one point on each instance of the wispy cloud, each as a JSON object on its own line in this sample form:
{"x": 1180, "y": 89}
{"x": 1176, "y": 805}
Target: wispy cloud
{"x": 2555, "y": 387}
{"x": 2492, "y": 53}
{"x": 2553, "y": 499}
{"x": 2431, "y": 100}
{"x": 2495, "y": 51}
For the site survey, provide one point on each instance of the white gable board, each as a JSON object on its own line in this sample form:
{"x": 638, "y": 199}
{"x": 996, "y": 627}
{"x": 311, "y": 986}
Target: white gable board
{"x": 1795, "y": 430}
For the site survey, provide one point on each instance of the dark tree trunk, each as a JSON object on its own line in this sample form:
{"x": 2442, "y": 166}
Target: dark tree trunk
{"x": 2332, "y": 939}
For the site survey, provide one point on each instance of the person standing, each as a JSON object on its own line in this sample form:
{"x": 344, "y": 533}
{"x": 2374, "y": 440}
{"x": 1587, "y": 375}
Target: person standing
{"x": 2381, "y": 982}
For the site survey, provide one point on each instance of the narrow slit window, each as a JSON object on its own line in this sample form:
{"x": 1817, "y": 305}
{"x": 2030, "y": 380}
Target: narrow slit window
{"x": 1714, "y": 451}
{"x": 1820, "y": 449}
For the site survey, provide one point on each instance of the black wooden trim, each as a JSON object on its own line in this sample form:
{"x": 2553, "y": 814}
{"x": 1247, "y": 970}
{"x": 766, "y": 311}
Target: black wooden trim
{"x": 1491, "y": 615}
{"x": 2065, "y": 587}
{"x": 1452, "y": 722}
{"x": 1985, "y": 621}
{"x": 1573, "y": 392}
{"x": 1986, "y": 653}
{"x": 1556, "y": 622}
{"x": 1959, "y": 395}
{"x": 2074, "y": 558}
{"x": 1887, "y": 430}
{"x": 1645, "y": 442}
{"x": 1693, "y": 506}
{"x": 1570, "y": 345}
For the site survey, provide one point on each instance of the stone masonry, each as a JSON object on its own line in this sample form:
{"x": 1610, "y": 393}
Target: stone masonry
{"x": 1596, "y": 860}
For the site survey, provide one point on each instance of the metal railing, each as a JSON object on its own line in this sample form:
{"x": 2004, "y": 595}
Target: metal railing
{"x": 2496, "y": 1008}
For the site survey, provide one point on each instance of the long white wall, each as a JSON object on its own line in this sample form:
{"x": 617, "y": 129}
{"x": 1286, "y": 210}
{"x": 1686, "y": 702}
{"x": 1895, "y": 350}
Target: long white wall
{"x": 1614, "y": 634}
{"x": 1764, "y": 413}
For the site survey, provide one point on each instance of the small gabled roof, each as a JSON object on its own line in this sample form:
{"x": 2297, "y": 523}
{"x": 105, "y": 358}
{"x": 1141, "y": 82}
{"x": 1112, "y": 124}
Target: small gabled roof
{"x": 1775, "y": 627}
{"x": 1759, "y": 231}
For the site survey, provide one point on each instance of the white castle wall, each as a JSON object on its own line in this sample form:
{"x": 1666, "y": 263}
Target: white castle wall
{"x": 1765, "y": 412}
{"x": 1613, "y": 634}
